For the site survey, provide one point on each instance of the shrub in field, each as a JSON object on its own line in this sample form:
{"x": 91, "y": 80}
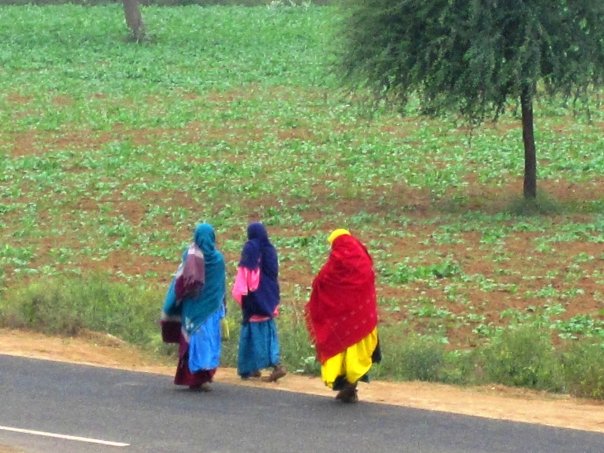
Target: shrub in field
{"x": 459, "y": 367}
{"x": 43, "y": 307}
{"x": 584, "y": 369}
{"x": 409, "y": 356}
{"x": 65, "y": 306}
{"x": 422, "y": 358}
{"x": 522, "y": 356}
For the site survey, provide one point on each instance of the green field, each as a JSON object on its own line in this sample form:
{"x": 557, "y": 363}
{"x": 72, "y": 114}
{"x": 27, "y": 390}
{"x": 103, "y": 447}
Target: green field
{"x": 110, "y": 152}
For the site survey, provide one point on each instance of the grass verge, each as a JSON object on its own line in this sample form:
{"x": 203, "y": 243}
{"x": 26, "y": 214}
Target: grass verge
{"x": 521, "y": 356}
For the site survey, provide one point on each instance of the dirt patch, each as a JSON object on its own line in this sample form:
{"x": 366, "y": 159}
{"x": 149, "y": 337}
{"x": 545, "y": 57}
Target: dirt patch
{"x": 495, "y": 402}
{"x": 40, "y": 142}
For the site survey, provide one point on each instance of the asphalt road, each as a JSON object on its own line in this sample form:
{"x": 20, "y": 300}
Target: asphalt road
{"x": 149, "y": 414}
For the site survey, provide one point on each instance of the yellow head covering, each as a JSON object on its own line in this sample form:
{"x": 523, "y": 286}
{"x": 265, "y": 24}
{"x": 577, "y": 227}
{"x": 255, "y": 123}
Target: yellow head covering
{"x": 336, "y": 233}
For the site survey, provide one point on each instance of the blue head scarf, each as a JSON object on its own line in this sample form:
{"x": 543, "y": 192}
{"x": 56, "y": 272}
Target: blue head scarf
{"x": 252, "y": 250}
{"x": 195, "y": 310}
{"x": 258, "y": 252}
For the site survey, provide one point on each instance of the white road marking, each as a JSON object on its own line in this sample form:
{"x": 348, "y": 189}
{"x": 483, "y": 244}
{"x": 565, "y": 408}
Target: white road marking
{"x": 65, "y": 436}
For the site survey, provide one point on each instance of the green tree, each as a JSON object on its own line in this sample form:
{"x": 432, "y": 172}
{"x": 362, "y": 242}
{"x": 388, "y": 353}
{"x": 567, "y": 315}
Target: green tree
{"x": 476, "y": 56}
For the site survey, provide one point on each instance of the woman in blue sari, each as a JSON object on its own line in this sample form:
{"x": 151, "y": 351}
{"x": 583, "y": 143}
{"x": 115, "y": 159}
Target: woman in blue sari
{"x": 256, "y": 290}
{"x": 200, "y": 315}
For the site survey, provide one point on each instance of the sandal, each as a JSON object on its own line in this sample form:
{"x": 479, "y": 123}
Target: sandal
{"x": 277, "y": 373}
{"x": 348, "y": 394}
{"x": 351, "y": 397}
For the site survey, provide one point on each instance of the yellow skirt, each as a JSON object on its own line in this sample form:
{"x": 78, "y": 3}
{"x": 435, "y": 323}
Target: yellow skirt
{"x": 353, "y": 363}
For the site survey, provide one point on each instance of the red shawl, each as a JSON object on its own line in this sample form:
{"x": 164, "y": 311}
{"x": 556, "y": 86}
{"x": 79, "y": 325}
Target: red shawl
{"x": 342, "y": 309}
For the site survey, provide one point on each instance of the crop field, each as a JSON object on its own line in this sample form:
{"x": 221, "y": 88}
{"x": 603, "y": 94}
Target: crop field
{"x": 111, "y": 151}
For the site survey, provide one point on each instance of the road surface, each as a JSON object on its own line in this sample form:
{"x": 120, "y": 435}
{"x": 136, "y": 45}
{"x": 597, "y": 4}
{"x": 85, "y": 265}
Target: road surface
{"x": 108, "y": 410}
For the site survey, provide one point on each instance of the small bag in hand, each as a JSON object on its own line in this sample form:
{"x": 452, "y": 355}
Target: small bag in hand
{"x": 170, "y": 330}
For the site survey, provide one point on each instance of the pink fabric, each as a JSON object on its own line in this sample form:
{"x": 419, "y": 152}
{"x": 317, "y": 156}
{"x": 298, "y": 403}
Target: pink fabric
{"x": 247, "y": 281}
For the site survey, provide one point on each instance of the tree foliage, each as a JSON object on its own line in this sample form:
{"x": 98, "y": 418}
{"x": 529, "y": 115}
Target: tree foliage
{"x": 472, "y": 56}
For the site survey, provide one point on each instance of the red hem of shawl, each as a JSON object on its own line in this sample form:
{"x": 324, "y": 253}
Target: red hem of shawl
{"x": 184, "y": 376}
{"x": 325, "y": 353}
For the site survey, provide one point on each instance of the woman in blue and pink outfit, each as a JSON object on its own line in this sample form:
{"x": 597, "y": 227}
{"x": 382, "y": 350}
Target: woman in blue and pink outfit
{"x": 256, "y": 290}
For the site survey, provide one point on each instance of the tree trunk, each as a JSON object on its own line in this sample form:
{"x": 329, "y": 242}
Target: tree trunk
{"x": 528, "y": 137}
{"x": 134, "y": 20}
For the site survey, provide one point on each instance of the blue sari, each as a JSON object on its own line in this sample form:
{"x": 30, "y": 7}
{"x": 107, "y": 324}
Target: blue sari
{"x": 200, "y": 315}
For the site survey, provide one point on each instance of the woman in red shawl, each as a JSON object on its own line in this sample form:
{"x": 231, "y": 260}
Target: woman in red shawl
{"x": 342, "y": 316}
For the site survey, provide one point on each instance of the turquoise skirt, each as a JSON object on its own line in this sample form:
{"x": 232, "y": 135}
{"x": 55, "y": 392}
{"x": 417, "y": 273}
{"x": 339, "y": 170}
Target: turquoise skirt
{"x": 258, "y": 347}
